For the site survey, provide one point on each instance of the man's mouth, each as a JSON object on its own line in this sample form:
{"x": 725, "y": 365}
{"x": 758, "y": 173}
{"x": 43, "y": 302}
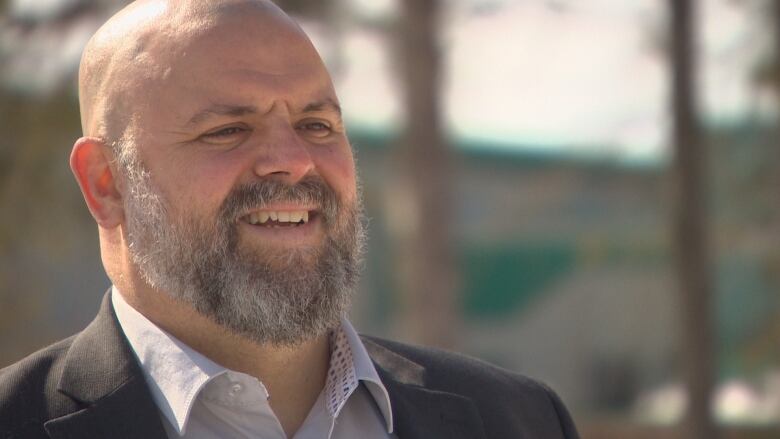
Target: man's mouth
{"x": 279, "y": 218}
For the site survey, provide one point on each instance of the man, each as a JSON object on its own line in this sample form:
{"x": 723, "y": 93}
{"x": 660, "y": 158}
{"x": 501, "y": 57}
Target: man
{"x": 215, "y": 163}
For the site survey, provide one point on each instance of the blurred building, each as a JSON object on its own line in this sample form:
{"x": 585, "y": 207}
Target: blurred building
{"x": 567, "y": 273}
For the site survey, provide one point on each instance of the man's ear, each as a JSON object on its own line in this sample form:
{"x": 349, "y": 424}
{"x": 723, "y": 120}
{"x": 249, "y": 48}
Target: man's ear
{"x": 90, "y": 163}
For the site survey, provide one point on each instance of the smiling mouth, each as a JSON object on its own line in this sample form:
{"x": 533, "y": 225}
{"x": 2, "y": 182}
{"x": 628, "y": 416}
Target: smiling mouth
{"x": 279, "y": 218}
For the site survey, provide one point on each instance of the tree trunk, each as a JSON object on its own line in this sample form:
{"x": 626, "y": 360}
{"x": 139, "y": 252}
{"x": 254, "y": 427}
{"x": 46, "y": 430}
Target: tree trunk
{"x": 690, "y": 231}
{"x": 426, "y": 266}
{"x": 774, "y": 180}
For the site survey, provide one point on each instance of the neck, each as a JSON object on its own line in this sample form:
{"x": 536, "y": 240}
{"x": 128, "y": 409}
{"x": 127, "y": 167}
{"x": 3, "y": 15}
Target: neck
{"x": 293, "y": 375}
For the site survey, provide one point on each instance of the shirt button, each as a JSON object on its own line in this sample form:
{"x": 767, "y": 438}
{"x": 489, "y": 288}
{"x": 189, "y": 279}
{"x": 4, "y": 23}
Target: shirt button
{"x": 235, "y": 389}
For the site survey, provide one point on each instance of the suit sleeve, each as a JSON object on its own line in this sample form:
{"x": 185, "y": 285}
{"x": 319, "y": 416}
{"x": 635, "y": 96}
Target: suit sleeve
{"x": 567, "y": 424}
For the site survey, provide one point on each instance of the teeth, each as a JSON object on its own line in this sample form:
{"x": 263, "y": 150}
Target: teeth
{"x": 288, "y": 216}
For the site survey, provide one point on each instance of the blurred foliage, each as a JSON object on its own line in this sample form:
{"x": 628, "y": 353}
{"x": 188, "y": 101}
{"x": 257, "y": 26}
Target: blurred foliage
{"x": 743, "y": 168}
{"x": 43, "y": 215}
{"x": 37, "y": 192}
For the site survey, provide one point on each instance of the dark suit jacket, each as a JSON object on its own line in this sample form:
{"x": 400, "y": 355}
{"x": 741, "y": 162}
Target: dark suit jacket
{"x": 91, "y": 386}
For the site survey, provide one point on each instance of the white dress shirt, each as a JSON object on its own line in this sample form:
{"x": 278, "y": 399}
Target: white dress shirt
{"x": 198, "y": 398}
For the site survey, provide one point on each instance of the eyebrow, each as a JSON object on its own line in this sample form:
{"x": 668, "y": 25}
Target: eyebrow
{"x": 327, "y": 104}
{"x": 242, "y": 110}
{"x": 221, "y": 110}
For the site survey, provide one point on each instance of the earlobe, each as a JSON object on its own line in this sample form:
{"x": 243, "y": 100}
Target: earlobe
{"x": 91, "y": 166}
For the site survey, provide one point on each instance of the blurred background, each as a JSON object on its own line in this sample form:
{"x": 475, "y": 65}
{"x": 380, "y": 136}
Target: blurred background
{"x": 586, "y": 192}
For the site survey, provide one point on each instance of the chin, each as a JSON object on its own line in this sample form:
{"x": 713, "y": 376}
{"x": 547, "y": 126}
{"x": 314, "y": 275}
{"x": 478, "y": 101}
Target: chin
{"x": 282, "y": 257}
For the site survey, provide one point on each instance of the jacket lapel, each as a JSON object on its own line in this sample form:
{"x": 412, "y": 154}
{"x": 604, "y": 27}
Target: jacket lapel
{"x": 419, "y": 412}
{"x": 102, "y": 375}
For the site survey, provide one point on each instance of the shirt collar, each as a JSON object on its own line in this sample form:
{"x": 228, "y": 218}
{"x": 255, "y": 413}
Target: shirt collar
{"x": 366, "y": 372}
{"x": 176, "y": 373}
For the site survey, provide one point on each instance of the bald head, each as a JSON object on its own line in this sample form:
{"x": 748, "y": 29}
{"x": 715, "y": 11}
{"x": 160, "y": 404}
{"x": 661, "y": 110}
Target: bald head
{"x": 134, "y": 52}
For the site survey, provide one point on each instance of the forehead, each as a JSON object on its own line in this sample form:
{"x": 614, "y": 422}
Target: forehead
{"x": 248, "y": 59}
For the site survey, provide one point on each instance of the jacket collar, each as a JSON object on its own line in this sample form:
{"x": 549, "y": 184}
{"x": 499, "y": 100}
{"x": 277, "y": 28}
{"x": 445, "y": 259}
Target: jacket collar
{"x": 420, "y": 412}
{"x": 102, "y": 374}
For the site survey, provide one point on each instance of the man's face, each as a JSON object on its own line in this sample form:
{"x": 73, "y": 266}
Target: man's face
{"x": 241, "y": 193}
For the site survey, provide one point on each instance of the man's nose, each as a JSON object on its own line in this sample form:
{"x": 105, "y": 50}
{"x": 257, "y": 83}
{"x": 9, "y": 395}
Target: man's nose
{"x": 283, "y": 154}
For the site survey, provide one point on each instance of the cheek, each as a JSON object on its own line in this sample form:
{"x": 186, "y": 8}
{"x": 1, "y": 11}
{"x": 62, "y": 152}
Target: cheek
{"x": 337, "y": 167}
{"x": 197, "y": 186}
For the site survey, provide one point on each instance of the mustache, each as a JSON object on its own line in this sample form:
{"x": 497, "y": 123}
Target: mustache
{"x": 257, "y": 195}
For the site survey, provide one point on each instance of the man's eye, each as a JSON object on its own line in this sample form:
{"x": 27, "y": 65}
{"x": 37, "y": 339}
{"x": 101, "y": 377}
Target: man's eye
{"x": 225, "y": 132}
{"x": 225, "y": 136}
{"x": 315, "y": 128}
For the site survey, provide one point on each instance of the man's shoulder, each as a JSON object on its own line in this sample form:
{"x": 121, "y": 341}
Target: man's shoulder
{"x": 451, "y": 369}
{"x": 448, "y": 364}
{"x": 498, "y": 394}
{"x": 28, "y": 391}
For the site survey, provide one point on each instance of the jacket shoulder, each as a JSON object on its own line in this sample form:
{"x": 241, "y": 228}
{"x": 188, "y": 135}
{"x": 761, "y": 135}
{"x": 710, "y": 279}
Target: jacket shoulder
{"x": 451, "y": 371}
{"x": 28, "y": 392}
{"x": 499, "y": 394}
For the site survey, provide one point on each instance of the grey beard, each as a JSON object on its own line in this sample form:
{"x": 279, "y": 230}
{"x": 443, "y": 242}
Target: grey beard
{"x": 270, "y": 298}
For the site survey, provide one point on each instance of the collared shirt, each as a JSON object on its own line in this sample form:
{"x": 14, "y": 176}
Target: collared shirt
{"x": 198, "y": 398}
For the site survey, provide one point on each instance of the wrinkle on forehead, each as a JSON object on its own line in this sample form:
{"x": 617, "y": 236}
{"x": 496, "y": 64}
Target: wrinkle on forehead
{"x": 138, "y": 46}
